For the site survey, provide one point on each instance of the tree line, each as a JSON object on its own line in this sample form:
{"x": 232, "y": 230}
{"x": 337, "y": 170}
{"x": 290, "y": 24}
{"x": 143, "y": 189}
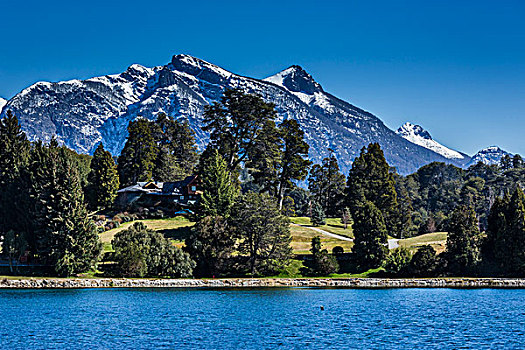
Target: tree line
{"x": 250, "y": 173}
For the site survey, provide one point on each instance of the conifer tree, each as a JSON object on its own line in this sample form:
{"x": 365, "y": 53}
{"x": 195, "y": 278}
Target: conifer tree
{"x": 14, "y": 153}
{"x": 505, "y": 241}
{"x": 103, "y": 180}
{"x": 370, "y": 235}
{"x": 370, "y": 177}
{"x": 137, "y": 159}
{"x": 462, "y": 249}
{"x": 327, "y": 185}
{"x": 294, "y": 161}
{"x": 62, "y": 235}
{"x": 318, "y": 217}
{"x": 177, "y": 153}
{"x": 235, "y": 123}
{"x": 219, "y": 189}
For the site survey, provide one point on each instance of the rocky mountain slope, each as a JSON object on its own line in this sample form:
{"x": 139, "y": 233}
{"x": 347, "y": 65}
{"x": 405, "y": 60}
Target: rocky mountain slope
{"x": 82, "y": 113}
{"x": 490, "y": 156}
{"x": 416, "y": 134}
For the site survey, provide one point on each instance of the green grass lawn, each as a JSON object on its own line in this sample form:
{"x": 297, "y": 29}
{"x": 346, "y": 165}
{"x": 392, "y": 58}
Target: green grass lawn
{"x": 333, "y": 225}
{"x": 175, "y": 229}
{"x": 302, "y": 240}
{"x": 437, "y": 240}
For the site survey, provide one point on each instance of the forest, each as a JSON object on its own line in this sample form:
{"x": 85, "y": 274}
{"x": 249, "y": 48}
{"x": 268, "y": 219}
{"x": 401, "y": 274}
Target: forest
{"x": 254, "y": 177}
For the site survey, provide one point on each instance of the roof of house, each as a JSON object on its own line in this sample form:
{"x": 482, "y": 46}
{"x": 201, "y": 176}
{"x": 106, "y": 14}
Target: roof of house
{"x": 160, "y": 188}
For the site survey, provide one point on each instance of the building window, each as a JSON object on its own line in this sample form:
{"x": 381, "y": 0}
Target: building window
{"x": 181, "y": 198}
{"x": 194, "y": 188}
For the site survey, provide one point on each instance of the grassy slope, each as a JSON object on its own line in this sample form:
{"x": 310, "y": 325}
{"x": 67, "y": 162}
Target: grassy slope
{"x": 169, "y": 227}
{"x": 437, "y": 240}
{"x": 333, "y": 225}
{"x": 302, "y": 240}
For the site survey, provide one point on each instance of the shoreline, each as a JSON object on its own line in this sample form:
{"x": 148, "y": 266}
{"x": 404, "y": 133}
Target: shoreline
{"x": 351, "y": 283}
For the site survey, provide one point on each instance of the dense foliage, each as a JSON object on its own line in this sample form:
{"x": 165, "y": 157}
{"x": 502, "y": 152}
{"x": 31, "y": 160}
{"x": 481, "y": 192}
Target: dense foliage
{"x": 141, "y": 252}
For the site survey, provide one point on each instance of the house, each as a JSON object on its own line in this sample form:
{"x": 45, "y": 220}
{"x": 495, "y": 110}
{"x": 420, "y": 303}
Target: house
{"x": 164, "y": 194}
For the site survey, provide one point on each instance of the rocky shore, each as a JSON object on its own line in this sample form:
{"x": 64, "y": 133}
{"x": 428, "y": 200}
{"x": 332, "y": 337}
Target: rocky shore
{"x": 50, "y": 283}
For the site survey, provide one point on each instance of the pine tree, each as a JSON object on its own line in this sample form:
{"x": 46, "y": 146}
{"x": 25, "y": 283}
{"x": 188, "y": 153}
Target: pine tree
{"x": 370, "y": 177}
{"x": 219, "y": 189}
{"x": 103, "y": 180}
{"x": 327, "y": 185}
{"x": 294, "y": 161}
{"x": 235, "y": 123}
{"x": 14, "y": 153}
{"x": 177, "y": 153}
{"x": 62, "y": 235}
{"x": 462, "y": 250}
{"x": 370, "y": 235}
{"x": 137, "y": 159}
{"x": 318, "y": 217}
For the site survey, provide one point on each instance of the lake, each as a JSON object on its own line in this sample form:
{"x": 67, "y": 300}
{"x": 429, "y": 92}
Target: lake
{"x": 262, "y": 318}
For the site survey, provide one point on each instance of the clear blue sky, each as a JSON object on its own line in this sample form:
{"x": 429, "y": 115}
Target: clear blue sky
{"x": 455, "y": 67}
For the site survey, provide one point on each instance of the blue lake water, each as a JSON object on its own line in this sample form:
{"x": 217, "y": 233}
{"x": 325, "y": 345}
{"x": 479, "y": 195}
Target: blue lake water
{"x": 262, "y": 319}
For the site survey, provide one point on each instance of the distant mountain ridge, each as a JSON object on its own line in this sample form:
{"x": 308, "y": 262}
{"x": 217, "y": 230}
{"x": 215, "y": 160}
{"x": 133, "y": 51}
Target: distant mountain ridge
{"x": 418, "y": 135}
{"x": 491, "y": 156}
{"x": 82, "y": 113}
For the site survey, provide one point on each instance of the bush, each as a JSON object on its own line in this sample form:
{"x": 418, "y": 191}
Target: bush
{"x": 424, "y": 262}
{"x": 292, "y": 270}
{"x": 323, "y": 264}
{"x": 141, "y": 252}
{"x": 337, "y": 250}
{"x": 397, "y": 261}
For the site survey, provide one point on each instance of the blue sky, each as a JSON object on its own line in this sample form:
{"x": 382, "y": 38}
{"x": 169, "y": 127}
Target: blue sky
{"x": 455, "y": 67}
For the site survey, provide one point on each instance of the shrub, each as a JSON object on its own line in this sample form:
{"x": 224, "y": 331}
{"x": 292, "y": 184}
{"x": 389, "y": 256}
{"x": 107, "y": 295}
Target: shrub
{"x": 397, "y": 261}
{"x": 337, "y": 250}
{"x": 424, "y": 262}
{"x": 140, "y": 252}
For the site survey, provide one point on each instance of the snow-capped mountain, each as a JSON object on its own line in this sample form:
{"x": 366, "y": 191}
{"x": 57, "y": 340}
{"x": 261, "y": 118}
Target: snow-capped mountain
{"x": 491, "y": 155}
{"x": 416, "y": 134}
{"x": 3, "y": 102}
{"x": 82, "y": 113}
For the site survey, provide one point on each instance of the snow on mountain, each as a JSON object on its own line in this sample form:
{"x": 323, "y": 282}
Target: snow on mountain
{"x": 491, "y": 156}
{"x": 82, "y": 113}
{"x": 3, "y": 102}
{"x": 416, "y": 134}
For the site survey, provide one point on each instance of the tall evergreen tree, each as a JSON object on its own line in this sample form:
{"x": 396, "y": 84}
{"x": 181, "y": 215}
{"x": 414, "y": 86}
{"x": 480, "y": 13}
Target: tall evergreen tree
{"x": 370, "y": 177}
{"x": 103, "y": 180}
{"x": 14, "y": 155}
{"x": 218, "y": 187}
{"x": 462, "y": 249}
{"x": 327, "y": 185}
{"x": 137, "y": 160}
{"x": 505, "y": 241}
{"x": 177, "y": 153}
{"x": 294, "y": 161}
{"x": 235, "y": 123}
{"x": 62, "y": 234}
{"x": 370, "y": 235}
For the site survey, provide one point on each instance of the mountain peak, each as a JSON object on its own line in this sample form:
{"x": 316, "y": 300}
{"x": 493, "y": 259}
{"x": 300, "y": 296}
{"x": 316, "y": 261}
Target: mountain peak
{"x": 416, "y": 134}
{"x": 413, "y": 129}
{"x": 296, "y": 79}
{"x": 489, "y": 155}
